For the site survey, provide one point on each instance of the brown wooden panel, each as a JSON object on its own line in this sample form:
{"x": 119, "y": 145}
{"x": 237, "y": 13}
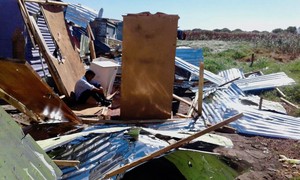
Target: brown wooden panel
{"x": 19, "y": 80}
{"x": 71, "y": 68}
{"x": 148, "y": 65}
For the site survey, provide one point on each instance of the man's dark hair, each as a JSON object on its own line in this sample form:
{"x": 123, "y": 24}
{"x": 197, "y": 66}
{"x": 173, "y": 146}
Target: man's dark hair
{"x": 90, "y": 72}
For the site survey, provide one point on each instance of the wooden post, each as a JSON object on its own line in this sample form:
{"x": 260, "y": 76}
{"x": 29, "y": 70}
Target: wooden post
{"x": 260, "y": 103}
{"x": 200, "y": 88}
{"x": 91, "y": 43}
{"x": 252, "y": 60}
{"x": 173, "y": 146}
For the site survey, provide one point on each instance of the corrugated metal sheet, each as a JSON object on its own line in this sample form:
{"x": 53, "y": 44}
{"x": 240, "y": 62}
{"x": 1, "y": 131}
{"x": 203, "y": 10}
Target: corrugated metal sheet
{"x": 232, "y": 74}
{"x": 100, "y": 153}
{"x": 33, "y": 55}
{"x": 225, "y": 102}
{"x": 194, "y": 70}
{"x": 268, "y": 81}
{"x": 21, "y": 157}
{"x": 80, "y": 15}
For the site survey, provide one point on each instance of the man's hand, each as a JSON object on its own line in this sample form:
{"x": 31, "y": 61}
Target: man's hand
{"x": 98, "y": 90}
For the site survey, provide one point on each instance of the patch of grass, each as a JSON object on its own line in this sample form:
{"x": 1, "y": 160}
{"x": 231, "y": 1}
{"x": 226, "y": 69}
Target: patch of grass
{"x": 271, "y": 95}
{"x": 292, "y": 69}
{"x": 213, "y": 66}
{"x": 237, "y": 55}
{"x": 292, "y": 93}
{"x": 232, "y": 53}
{"x": 207, "y": 51}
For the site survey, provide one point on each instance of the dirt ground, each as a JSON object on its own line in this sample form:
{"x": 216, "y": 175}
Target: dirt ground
{"x": 260, "y": 155}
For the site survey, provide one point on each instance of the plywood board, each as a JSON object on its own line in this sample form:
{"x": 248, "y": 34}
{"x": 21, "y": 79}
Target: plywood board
{"x": 20, "y": 81}
{"x": 148, "y": 65}
{"x": 20, "y": 156}
{"x": 71, "y": 68}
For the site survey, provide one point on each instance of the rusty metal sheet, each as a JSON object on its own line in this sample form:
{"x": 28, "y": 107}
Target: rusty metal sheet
{"x": 19, "y": 80}
{"x": 148, "y": 66}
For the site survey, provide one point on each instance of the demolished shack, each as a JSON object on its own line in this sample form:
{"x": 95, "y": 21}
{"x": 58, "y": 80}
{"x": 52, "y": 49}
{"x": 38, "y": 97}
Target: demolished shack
{"x": 104, "y": 145}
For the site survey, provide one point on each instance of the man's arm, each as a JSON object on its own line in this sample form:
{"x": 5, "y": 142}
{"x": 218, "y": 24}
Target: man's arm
{"x": 98, "y": 90}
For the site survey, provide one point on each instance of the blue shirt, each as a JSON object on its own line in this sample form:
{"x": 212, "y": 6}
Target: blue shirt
{"x": 83, "y": 85}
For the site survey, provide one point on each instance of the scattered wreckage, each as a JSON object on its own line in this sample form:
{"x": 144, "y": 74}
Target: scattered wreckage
{"x": 92, "y": 142}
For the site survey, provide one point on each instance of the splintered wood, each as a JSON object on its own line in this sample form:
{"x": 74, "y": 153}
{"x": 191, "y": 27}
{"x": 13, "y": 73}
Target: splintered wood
{"x": 148, "y": 66}
{"x": 19, "y": 80}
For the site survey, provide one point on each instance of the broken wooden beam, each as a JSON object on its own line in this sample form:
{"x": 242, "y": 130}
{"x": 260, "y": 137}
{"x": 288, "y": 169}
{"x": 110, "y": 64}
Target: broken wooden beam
{"x": 280, "y": 93}
{"x": 66, "y": 163}
{"x": 21, "y": 107}
{"x": 173, "y": 146}
{"x": 182, "y": 100}
{"x": 183, "y": 115}
{"x": 193, "y": 106}
{"x": 289, "y": 103}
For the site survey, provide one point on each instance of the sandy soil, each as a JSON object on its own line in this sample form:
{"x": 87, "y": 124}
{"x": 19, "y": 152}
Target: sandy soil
{"x": 262, "y": 155}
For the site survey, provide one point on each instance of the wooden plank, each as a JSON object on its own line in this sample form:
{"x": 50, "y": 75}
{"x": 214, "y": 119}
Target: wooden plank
{"x": 70, "y": 68}
{"x": 289, "y": 103}
{"x": 173, "y": 146}
{"x": 19, "y": 80}
{"x": 47, "y": 56}
{"x": 66, "y": 163}
{"x": 21, "y": 107}
{"x": 182, "y": 100}
{"x": 148, "y": 66}
{"x": 200, "y": 88}
{"x": 91, "y": 43}
{"x": 280, "y": 93}
{"x": 183, "y": 115}
{"x": 193, "y": 106}
{"x": 88, "y": 111}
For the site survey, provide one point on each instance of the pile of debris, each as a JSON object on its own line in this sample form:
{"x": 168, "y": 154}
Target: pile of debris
{"x": 46, "y": 58}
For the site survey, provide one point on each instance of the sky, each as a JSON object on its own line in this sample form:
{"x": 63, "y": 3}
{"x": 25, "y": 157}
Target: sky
{"x": 248, "y": 15}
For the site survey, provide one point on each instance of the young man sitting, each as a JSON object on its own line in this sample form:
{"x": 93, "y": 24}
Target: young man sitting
{"x": 87, "y": 87}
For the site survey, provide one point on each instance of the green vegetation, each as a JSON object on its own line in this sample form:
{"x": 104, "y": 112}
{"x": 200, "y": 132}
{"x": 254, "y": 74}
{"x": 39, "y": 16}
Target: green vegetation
{"x": 268, "y": 58}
